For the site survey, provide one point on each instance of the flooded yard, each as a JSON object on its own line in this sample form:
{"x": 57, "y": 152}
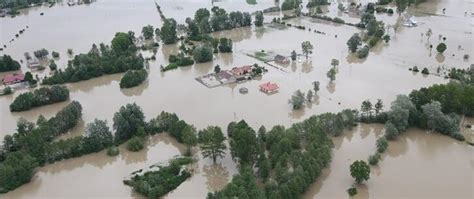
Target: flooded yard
{"x": 417, "y": 158}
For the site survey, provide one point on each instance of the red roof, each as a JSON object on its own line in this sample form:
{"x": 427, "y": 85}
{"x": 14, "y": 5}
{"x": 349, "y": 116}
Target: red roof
{"x": 9, "y": 79}
{"x": 241, "y": 70}
{"x": 269, "y": 86}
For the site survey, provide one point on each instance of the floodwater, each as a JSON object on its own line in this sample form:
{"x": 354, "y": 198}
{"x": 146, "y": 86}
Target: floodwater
{"x": 384, "y": 74}
{"x": 419, "y": 164}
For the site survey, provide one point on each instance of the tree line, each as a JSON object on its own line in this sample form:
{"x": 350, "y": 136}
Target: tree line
{"x": 122, "y": 55}
{"x": 7, "y": 63}
{"x": 286, "y": 160}
{"x": 39, "y": 97}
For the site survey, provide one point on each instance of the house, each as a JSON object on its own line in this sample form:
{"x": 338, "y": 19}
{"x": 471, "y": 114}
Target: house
{"x": 411, "y": 22}
{"x": 33, "y": 63}
{"x": 280, "y": 59}
{"x": 225, "y": 77}
{"x": 269, "y": 87}
{"x": 13, "y": 79}
{"x": 239, "y": 71}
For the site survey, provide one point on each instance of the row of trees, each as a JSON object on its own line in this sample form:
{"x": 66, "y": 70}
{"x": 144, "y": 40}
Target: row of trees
{"x": 39, "y": 97}
{"x": 32, "y": 146}
{"x": 121, "y": 56}
{"x": 286, "y": 161}
{"x": 8, "y": 64}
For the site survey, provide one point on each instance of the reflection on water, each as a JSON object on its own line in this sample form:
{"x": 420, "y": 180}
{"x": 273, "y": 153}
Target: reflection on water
{"x": 384, "y": 74}
{"x": 427, "y": 160}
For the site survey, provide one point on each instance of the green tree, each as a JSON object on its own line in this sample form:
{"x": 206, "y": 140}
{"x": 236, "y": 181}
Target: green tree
{"x": 293, "y": 55}
{"x": 331, "y": 74}
{"x": 307, "y": 48}
{"x": 243, "y": 144}
{"x": 354, "y": 42}
{"x": 168, "y": 32}
{"x": 98, "y": 136}
{"x": 378, "y": 106}
{"x": 401, "y": 5}
{"x": 135, "y": 144}
{"x": 297, "y": 100}
{"x": 148, "y": 31}
{"x": 391, "y": 132}
{"x": 52, "y": 65}
{"x": 366, "y": 107}
{"x": 16, "y": 169}
{"x": 309, "y": 96}
{"x": 201, "y": 14}
{"x": 122, "y": 42}
{"x": 316, "y": 87}
{"x": 441, "y": 47}
{"x": 360, "y": 171}
{"x": 127, "y": 121}
{"x": 202, "y": 53}
{"x": 259, "y": 18}
{"x": 212, "y": 143}
{"x": 334, "y": 62}
{"x": 382, "y": 144}
{"x": 8, "y": 64}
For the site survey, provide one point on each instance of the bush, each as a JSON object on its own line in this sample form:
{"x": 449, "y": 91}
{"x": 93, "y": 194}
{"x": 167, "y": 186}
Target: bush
{"x": 390, "y": 11}
{"x": 352, "y": 191}
{"x": 133, "y": 78}
{"x": 382, "y": 144}
{"x": 441, "y": 47}
{"x": 374, "y": 159}
{"x": 363, "y": 52}
{"x": 425, "y": 71}
{"x": 170, "y": 66}
{"x": 55, "y": 54}
{"x": 113, "y": 151}
{"x": 135, "y": 144}
{"x": 7, "y": 90}
{"x": 202, "y": 53}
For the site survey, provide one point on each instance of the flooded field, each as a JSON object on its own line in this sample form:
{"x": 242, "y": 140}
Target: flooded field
{"x": 384, "y": 74}
{"x": 413, "y": 165}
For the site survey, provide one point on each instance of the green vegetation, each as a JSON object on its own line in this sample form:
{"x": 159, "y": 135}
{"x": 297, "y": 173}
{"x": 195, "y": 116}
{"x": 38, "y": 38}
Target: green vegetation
{"x": 374, "y": 159}
{"x": 352, "y": 191}
{"x": 225, "y": 45}
{"x": 259, "y": 18}
{"x": 32, "y": 146}
{"x": 288, "y": 161}
{"x": 155, "y": 184}
{"x": 212, "y": 143}
{"x": 297, "y": 100}
{"x": 52, "y": 65}
{"x": 331, "y": 74}
{"x": 55, "y": 54}
{"x": 170, "y": 66}
{"x": 113, "y": 151}
{"x": 441, "y": 47}
{"x": 121, "y": 56}
{"x": 354, "y": 42}
{"x": 202, "y": 53}
{"x": 360, "y": 171}
{"x": 148, "y": 32}
{"x": 181, "y": 60}
{"x": 168, "y": 32}
{"x": 127, "y": 121}
{"x": 7, "y": 91}
{"x": 39, "y": 97}
{"x": 313, "y": 3}
{"x": 8, "y": 64}
{"x": 307, "y": 48}
{"x": 41, "y": 54}
{"x": 135, "y": 144}
{"x": 133, "y": 78}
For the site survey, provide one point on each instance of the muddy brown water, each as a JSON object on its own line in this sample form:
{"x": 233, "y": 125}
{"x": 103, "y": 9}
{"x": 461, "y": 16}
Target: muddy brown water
{"x": 384, "y": 74}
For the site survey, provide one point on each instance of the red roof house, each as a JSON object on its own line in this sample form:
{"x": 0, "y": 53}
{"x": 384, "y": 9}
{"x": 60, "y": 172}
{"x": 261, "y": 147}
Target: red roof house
{"x": 13, "y": 79}
{"x": 269, "y": 87}
{"x": 238, "y": 71}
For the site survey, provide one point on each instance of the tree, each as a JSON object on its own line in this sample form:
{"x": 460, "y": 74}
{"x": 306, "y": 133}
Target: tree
{"x": 135, "y": 144}
{"x": 201, "y": 14}
{"x": 378, "y": 106}
{"x": 366, "y": 107}
{"x": 334, "y": 62}
{"x": 391, "y": 131}
{"x": 243, "y": 143}
{"x": 133, "y": 78}
{"x": 331, "y": 74}
{"x": 259, "y": 18}
{"x": 98, "y": 135}
{"x": 16, "y": 169}
{"x": 316, "y": 87}
{"x": 122, "y": 42}
{"x": 212, "y": 143}
{"x": 360, "y": 171}
{"x": 382, "y": 144}
{"x": 354, "y": 42}
{"x": 438, "y": 121}
{"x": 127, "y": 121}
{"x": 202, "y": 53}
{"x": 293, "y": 55}
{"x": 52, "y": 65}
{"x": 309, "y": 96}
{"x": 363, "y": 52}
{"x": 148, "y": 31}
{"x": 217, "y": 69}
{"x": 307, "y": 48}
{"x": 297, "y": 100}
{"x": 401, "y": 5}
{"x": 168, "y": 32}
{"x": 8, "y": 64}
{"x": 225, "y": 45}
{"x": 441, "y": 47}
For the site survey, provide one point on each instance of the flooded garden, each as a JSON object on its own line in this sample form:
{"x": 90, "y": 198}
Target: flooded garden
{"x": 417, "y": 164}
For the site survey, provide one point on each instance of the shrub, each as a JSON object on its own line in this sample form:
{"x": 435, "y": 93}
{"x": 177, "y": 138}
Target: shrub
{"x": 202, "y": 53}
{"x": 441, "y": 47}
{"x": 133, "y": 78}
{"x": 352, "y": 191}
{"x": 113, "y": 151}
{"x": 170, "y": 66}
{"x": 7, "y": 90}
{"x": 390, "y": 11}
{"x": 55, "y": 54}
{"x": 382, "y": 144}
{"x": 374, "y": 159}
{"x": 415, "y": 69}
{"x": 363, "y": 52}
{"x": 425, "y": 71}
{"x": 135, "y": 144}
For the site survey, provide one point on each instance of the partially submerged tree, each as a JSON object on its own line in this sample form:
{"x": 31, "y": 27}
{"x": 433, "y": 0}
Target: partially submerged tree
{"x": 212, "y": 143}
{"x": 297, "y": 100}
{"x": 307, "y": 48}
{"x": 360, "y": 171}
